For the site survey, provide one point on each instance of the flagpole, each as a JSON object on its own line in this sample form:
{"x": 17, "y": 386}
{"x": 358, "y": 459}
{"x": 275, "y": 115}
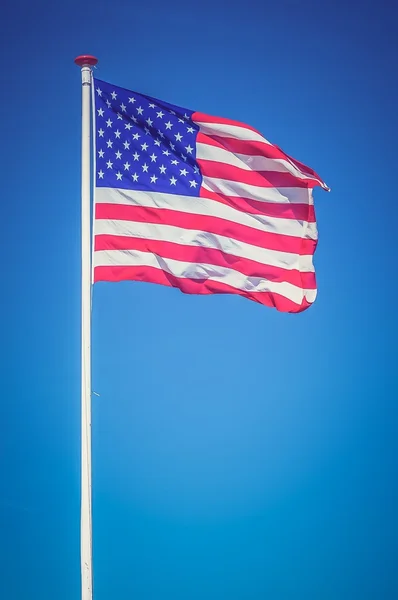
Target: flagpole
{"x": 86, "y": 62}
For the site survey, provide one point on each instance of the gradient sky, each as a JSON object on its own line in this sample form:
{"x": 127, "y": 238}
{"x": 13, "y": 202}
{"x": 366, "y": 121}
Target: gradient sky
{"x": 238, "y": 453}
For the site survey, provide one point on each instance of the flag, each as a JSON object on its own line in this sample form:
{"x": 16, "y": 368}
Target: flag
{"x": 201, "y": 203}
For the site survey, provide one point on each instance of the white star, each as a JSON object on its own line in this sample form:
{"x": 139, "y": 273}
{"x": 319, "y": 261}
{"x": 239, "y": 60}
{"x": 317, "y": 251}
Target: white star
{"x": 145, "y": 168}
{"x": 174, "y": 162}
{"x": 193, "y": 183}
{"x": 133, "y": 118}
{"x": 136, "y": 156}
{"x": 144, "y": 146}
{"x": 132, "y": 100}
{"x": 135, "y": 177}
{"x": 101, "y": 132}
{"x": 190, "y": 130}
{"x": 100, "y": 112}
{"x": 172, "y": 146}
{"x": 123, "y": 107}
{"x": 136, "y": 136}
{"x": 196, "y": 169}
{"x": 101, "y": 153}
{"x": 151, "y": 105}
{"x": 128, "y": 126}
{"x": 154, "y": 178}
{"x": 189, "y": 149}
{"x": 119, "y": 176}
{"x": 173, "y": 181}
{"x": 119, "y": 116}
{"x": 172, "y": 112}
{"x": 126, "y": 145}
{"x": 139, "y": 110}
{"x": 157, "y": 142}
{"x": 160, "y": 114}
{"x": 117, "y": 133}
{"x": 169, "y": 125}
{"x": 183, "y": 172}
{"x": 186, "y": 116}
{"x": 99, "y": 92}
{"x": 101, "y": 174}
{"x": 161, "y": 134}
{"x": 178, "y": 137}
{"x": 126, "y": 166}
{"x": 149, "y": 121}
{"x": 114, "y": 95}
{"x": 162, "y": 169}
{"x": 153, "y": 157}
{"x": 109, "y": 104}
{"x": 118, "y": 154}
{"x": 109, "y": 143}
{"x": 109, "y": 123}
{"x": 181, "y": 121}
{"x": 166, "y": 152}
{"x": 147, "y": 130}
{"x": 109, "y": 164}
{"x": 183, "y": 157}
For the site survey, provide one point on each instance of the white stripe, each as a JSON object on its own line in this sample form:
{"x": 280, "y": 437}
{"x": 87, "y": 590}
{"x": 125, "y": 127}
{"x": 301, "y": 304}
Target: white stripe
{"x": 206, "y": 207}
{"x": 255, "y": 192}
{"x": 231, "y": 131}
{"x": 203, "y": 239}
{"x": 247, "y": 161}
{"x": 105, "y": 258}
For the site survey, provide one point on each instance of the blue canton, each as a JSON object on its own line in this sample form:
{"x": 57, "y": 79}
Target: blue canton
{"x": 143, "y": 143}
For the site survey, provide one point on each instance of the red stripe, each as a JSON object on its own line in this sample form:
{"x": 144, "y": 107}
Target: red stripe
{"x": 264, "y": 179}
{"x": 199, "y": 117}
{"x": 194, "y": 286}
{"x": 247, "y": 147}
{"x": 215, "y": 225}
{"x": 299, "y": 212}
{"x": 197, "y": 254}
{"x": 250, "y": 148}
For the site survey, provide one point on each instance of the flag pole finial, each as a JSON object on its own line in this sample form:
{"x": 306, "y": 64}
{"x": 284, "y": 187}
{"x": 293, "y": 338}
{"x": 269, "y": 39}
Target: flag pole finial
{"x": 86, "y": 60}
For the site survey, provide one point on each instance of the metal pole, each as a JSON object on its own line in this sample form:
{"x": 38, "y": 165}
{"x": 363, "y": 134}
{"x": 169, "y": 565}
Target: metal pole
{"x": 86, "y": 62}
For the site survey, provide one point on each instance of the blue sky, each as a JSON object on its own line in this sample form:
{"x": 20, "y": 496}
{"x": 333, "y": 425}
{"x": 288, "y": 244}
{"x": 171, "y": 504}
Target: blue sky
{"x": 238, "y": 452}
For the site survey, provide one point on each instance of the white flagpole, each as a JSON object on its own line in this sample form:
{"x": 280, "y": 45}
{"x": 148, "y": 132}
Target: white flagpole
{"x": 86, "y": 62}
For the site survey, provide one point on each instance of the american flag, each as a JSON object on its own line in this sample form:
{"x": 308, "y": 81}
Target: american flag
{"x": 201, "y": 203}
